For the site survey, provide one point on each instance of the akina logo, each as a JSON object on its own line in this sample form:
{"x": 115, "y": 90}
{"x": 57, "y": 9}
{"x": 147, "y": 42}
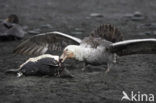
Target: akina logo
{"x": 137, "y": 96}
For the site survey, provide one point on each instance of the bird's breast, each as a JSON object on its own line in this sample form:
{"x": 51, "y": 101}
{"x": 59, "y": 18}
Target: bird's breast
{"x": 96, "y": 55}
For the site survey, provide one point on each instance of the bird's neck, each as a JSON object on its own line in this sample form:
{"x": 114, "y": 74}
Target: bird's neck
{"x": 79, "y": 53}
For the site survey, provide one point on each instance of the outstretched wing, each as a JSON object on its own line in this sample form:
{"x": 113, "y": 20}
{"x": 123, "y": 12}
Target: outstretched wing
{"x": 136, "y": 46}
{"x": 107, "y": 32}
{"x": 39, "y": 44}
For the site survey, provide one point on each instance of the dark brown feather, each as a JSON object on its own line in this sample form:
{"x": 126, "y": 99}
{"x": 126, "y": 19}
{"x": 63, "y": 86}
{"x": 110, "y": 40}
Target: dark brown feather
{"x": 141, "y": 47}
{"x": 108, "y": 32}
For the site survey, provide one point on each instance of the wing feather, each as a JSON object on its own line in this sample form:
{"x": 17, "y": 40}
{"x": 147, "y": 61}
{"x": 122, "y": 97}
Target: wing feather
{"x": 39, "y": 44}
{"x": 136, "y": 46}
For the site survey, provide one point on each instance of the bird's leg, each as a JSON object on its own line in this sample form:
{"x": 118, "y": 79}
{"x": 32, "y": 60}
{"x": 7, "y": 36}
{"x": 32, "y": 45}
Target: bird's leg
{"x": 84, "y": 66}
{"x": 114, "y": 58}
{"x": 109, "y": 65}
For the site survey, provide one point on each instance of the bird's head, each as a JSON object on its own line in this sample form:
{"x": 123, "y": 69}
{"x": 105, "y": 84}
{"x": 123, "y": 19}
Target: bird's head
{"x": 12, "y": 19}
{"x": 68, "y": 53}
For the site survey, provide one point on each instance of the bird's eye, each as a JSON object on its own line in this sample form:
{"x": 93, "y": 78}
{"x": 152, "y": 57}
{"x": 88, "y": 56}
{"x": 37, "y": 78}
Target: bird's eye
{"x": 66, "y": 49}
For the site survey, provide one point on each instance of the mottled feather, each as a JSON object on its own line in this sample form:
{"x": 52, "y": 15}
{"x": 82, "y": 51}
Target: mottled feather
{"x": 39, "y": 44}
{"x": 107, "y": 32}
{"x": 94, "y": 42}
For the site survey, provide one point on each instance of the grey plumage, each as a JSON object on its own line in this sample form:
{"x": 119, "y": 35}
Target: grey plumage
{"x": 10, "y": 29}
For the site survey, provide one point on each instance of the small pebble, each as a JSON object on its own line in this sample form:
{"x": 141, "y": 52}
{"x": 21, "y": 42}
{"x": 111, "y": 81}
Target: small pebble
{"x": 148, "y": 26}
{"x": 152, "y": 26}
{"x": 35, "y": 31}
{"x": 46, "y": 26}
{"x": 151, "y": 33}
{"x": 148, "y": 33}
{"x": 137, "y": 14}
{"x": 96, "y": 15}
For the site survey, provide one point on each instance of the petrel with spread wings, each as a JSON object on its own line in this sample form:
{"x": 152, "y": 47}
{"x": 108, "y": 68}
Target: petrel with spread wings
{"x": 99, "y": 48}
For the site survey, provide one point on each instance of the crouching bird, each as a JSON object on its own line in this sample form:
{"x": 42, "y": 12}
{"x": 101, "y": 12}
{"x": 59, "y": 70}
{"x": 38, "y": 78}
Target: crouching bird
{"x": 10, "y": 29}
{"x": 100, "y": 47}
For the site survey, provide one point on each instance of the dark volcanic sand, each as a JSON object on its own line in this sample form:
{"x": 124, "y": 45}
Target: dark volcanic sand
{"x": 131, "y": 73}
